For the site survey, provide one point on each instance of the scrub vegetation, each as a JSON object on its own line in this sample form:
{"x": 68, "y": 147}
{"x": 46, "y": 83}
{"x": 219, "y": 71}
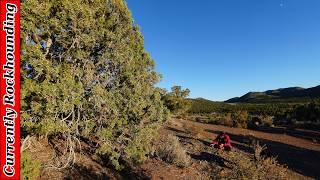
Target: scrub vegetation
{"x": 90, "y": 108}
{"x": 86, "y": 75}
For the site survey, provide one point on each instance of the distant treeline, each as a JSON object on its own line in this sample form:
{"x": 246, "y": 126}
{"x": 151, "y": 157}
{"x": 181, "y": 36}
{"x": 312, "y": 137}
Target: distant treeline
{"x": 247, "y": 114}
{"x": 202, "y": 106}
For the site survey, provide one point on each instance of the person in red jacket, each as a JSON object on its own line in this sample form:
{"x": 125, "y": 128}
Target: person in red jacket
{"x": 222, "y": 142}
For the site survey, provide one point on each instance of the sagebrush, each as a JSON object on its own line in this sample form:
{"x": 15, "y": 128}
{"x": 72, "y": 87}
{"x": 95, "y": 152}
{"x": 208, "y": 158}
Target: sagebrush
{"x": 170, "y": 150}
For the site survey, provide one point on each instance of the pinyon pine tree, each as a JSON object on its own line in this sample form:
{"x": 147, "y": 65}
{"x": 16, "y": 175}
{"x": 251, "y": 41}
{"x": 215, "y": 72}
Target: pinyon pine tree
{"x": 85, "y": 73}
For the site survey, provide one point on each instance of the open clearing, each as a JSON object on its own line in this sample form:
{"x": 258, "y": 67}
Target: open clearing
{"x": 297, "y": 149}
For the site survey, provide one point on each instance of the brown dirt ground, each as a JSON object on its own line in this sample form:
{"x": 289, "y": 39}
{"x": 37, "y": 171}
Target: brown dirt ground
{"x": 296, "y": 149}
{"x": 299, "y": 150}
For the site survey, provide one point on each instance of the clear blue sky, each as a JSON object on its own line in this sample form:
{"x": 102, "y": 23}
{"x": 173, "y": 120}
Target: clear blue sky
{"x": 220, "y": 49}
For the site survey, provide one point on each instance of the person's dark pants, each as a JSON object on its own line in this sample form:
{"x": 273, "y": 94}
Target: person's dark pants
{"x": 227, "y": 148}
{"x": 216, "y": 146}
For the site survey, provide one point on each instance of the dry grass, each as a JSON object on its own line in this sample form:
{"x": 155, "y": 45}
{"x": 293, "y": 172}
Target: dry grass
{"x": 258, "y": 149}
{"x": 237, "y": 165}
{"x": 256, "y": 167}
{"x": 171, "y": 151}
{"x": 226, "y": 120}
{"x": 267, "y": 120}
{"x": 174, "y": 123}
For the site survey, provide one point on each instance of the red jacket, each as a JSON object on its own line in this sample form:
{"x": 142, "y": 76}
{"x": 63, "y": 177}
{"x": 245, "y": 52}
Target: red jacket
{"x": 222, "y": 139}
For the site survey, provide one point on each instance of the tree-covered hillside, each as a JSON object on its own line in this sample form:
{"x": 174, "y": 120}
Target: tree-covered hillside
{"x": 283, "y": 95}
{"x": 204, "y": 106}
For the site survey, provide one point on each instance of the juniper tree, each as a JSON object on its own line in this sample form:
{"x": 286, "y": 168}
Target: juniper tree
{"x": 85, "y": 73}
{"x": 176, "y": 100}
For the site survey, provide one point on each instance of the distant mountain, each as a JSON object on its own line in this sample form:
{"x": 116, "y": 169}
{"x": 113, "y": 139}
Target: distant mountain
{"x": 292, "y": 94}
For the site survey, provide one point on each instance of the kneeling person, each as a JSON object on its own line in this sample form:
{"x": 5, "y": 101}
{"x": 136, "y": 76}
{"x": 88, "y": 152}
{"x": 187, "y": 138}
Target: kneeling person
{"x": 222, "y": 142}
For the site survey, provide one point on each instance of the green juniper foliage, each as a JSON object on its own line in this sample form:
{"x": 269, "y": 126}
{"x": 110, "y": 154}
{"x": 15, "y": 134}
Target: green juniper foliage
{"x": 176, "y": 100}
{"x": 85, "y": 73}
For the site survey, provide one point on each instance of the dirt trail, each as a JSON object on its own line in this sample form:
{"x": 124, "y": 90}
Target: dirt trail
{"x": 276, "y": 137}
{"x": 299, "y": 153}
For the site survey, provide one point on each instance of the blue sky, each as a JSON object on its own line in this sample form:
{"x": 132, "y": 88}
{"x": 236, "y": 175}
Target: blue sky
{"x": 221, "y": 49}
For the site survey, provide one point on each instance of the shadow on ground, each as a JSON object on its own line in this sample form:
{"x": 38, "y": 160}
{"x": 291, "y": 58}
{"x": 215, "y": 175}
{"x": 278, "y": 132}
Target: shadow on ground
{"x": 298, "y": 133}
{"x": 205, "y": 156}
{"x": 175, "y": 130}
{"x": 81, "y": 172}
{"x": 301, "y": 160}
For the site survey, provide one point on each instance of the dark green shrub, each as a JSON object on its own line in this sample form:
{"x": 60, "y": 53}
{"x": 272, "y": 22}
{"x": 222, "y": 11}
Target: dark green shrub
{"x": 85, "y": 73}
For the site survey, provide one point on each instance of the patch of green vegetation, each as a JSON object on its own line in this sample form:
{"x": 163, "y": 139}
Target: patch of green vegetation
{"x": 303, "y": 116}
{"x": 176, "y": 101}
{"x": 202, "y": 106}
{"x": 253, "y": 115}
{"x": 85, "y": 73}
{"x": 30, "y": 168}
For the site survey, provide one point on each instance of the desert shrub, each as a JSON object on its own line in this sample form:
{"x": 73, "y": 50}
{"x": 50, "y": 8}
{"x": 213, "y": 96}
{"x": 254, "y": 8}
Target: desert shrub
{"x": 236, "y": 119}
{"x": 247, "y": 166}
{"x": 30, "y": 168}
{"x": 171, "y": 151}
{"x": 267, "y": 120}
{"x": 206, "y": 118}
{"x": 240, "y": 119}
{"x": 244, "y": 167}
{"x": 257, "y": 151}
{"x": 226, "y": 120}
{"x": 254, "y": 122}
{"x": 308, "y": 112}
{"x": 304, "y": 116}
{"x": 262, "y": 120}
{"x": 213, "y": 118}
{"x": 85, "y": 73}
